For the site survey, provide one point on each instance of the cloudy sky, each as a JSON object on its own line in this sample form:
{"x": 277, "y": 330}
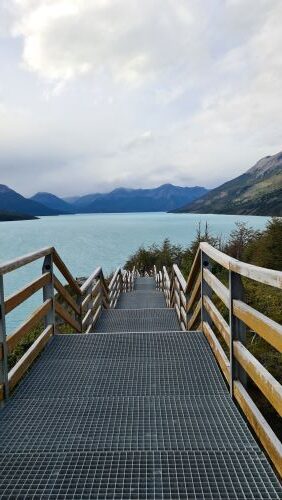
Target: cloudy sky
{"x": 96, "y": 94}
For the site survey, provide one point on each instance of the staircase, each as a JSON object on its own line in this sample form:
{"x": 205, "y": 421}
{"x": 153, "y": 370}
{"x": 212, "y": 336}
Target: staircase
{"x": 137, "y": 409}
{"x": 141, "y": 400}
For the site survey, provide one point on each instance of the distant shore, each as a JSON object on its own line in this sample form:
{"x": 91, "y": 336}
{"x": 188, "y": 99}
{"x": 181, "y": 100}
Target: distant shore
{"x": 11, "y": 216}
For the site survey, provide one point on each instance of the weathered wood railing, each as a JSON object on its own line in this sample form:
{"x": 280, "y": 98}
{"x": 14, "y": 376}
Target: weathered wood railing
{"x": 194, "y": 301}
{"x": 78, "y": 307}
{"x": 95, "y": 295}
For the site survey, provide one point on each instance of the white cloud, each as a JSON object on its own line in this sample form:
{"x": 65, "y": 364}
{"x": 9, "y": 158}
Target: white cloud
{"x": 131, "y": 40}
{"x": 112, "y": 92}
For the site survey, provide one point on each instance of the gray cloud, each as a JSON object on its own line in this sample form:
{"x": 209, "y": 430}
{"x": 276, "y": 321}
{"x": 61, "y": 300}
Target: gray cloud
{"x": 104, "y": 93}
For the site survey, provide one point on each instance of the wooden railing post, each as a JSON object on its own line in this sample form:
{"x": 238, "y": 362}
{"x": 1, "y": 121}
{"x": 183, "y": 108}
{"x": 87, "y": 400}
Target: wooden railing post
{"x": 205, "y": 289}
{"x": 120, "y": 283}
{"x": 237, "y": 330}
{"x": 48, "y": 292}
{"x": 171, "y": 290}
{"x": 3, "y": 345}
{"x": 79, "y": 299}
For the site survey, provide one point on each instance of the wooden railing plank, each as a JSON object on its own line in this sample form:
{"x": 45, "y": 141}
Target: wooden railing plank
{"x": 19, "y": 297}
{"x": 105, "y": 290}
{"x": 179, "y": 276}
{"x": 65, "y": 272}
{"x": 221, "y": 258}
{"x": 268, "y": 385}
{"x": 13, "y": 264}
{"x": 96, "y": 316}
{"x": 215, "y": 284}
{"x": 194, "y": 293}
{"x": 65, "y": 315}
{"x": 86, "y": 318}
{"x": 66, "y": 296}
{"x": 86, "y": 300}
{"x": 17, "y": 372}
{"x": 89, "y": 280}
{"x": 217, "y": 319}
{"x": 195, "y": 315}
{"x": 166, "y": 276}
{"x": 30, "y": 323}
{"x": 194, "y": 271}
{"x": 268, "y": 329}
{"x": 184, "y": 316}
{"x": 217, "y": 350}
{"x": 96, "y": 301}
{"x": 265, "y": 434}
{"x": 114, "y": 278}
{"x": 269, "y": 277}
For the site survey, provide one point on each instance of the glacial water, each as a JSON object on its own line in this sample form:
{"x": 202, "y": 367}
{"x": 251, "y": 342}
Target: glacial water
{"x": 87, "y": 241}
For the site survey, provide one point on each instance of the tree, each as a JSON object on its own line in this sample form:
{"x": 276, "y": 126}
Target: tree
{"x": 266, "y": 250}
{"x": 239, "y": 239}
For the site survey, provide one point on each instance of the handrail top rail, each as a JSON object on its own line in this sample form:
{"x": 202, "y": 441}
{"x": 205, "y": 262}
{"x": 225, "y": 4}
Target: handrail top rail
{"x": 270, "y": 277}
{"x": 97, "y": 272}
{"x": 117, "y": 271}
{"x": 16, "y": 263}
{"x": 180, "y": 276}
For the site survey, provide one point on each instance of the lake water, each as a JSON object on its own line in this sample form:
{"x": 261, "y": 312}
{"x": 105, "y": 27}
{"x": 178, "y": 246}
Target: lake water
{"x": 87, "y": 241}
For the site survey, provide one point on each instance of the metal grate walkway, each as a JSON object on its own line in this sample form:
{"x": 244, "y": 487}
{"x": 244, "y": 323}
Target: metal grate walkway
{"x": 140, "y": 414}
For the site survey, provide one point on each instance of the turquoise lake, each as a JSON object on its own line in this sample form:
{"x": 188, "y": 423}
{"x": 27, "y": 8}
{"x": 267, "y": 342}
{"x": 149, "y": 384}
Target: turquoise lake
{"x": 87, "y": 241}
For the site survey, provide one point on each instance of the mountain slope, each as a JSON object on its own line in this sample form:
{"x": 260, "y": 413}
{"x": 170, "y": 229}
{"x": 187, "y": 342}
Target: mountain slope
{"x": 11, "y": 201}
{"x": 53, "y": 202}
{"x": 85, "y": 201}
{"x": 164, "y": 198}
{"x": 256, "y": 192}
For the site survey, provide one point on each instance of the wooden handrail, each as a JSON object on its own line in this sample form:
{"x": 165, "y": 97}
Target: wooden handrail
{"x": 268, "y": 385}
{"x": 65, "y": 295}
{"x": 268, "y": 329}
{"x": 14, "y": 264}
{"x": 179, "y": 276}
{"x": 194, "y": 271}
{"x": 262, "y": 275}
{"x": 240, "y": 314}
{"x": 217, "y": 319}
{"x": 89, "y": 280}
{"x": 265, "y": 434}
{"x": 18, "y": 371}
{"x": 113, "y": 280}
{"x": 194, "y": 293}
{"x": 65, "y": 271}
{"x": 26, "y": 292}
{"x": 30, "y": 323}
{"x": 217, "y": 350}
{"x": 65, "y": 315}
{"x": 215, "y": 284}
{"x": 92, "y": 296}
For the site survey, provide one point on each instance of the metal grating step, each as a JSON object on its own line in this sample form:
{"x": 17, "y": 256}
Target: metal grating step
{"x": 141, "y": 300}
{"x": 108, "y": 377}
{"x": 192, "y": 475}
{"x": 145, "y": 283}
{"x": 156, "y": 345}
{"x": 134, "y": 320}
{"x": 124, "y": 423}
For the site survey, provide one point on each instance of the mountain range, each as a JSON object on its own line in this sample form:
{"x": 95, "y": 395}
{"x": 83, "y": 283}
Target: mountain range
{"x": 163, "y": 198}
{"x": 11, "y": 201}
{"x": 256, "y": 192}
{"x": 53, "y": 202}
